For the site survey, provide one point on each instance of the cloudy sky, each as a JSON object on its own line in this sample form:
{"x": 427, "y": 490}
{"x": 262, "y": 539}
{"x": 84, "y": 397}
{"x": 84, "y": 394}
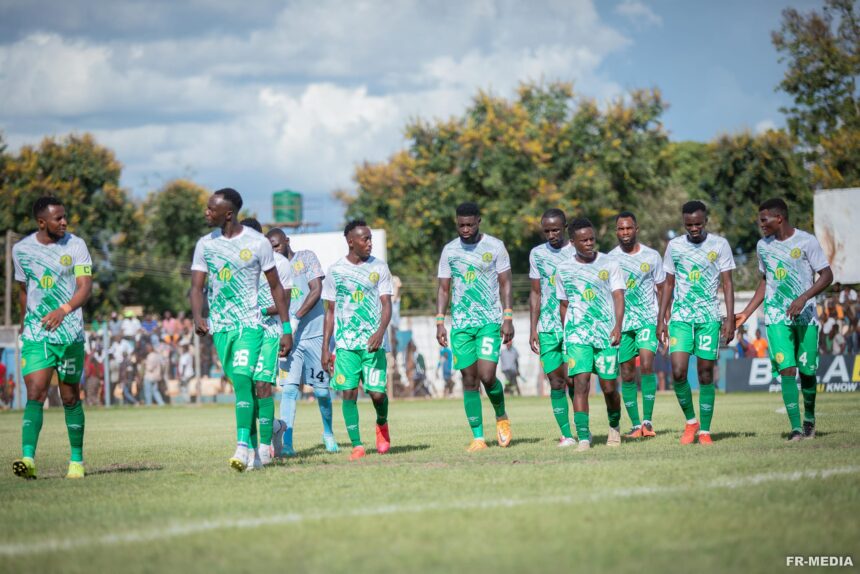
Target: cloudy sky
{"x": 266, "y": 95}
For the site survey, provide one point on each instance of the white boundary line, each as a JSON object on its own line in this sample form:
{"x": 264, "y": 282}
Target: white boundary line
{"x": 176, "y": 530}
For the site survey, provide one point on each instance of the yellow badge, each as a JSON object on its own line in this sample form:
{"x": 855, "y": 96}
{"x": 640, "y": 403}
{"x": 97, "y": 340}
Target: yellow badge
{"x": 673, "y": 341}
{"x": 295, "y": 293}
{"x": 571, "y": 363}
{"x": 694, "y": 275}
{"x": 357, "y": 296}
{"x": 487, "y": 257}
{"x": 470, "y": 276}
{"x": 245, "y": 255}
{"x": 645, "y": 268}
{"x": 588, "y": 295}
{"x": 795, "y": 253}
{"x": 603, "y": 275}
{"x": 712, "y": 256}
{"x": 225, "y": 274}
{"x": 780, "y": 273}
{"x": 779, "y": 358}
{"x": 46, "y": 282}
{"x": 340, "y": 379}
{"x": 631, "y": 283}
{"x": 298, "y": 266}
{"x": 552, "y": 280}
{"x": 66, "y": 260}
{"x": 23, "y": 363}
{"x": 374, "y": 277}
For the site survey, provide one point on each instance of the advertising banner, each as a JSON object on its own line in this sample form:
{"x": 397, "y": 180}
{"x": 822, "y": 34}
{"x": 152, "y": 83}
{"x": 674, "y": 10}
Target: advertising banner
{"x": 836, "y": 374}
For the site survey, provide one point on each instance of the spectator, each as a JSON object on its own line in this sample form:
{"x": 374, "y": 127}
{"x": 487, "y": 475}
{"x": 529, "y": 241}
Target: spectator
{"x": 170, "y": 328}
{"x": 663, "y": 367}
{"x": 127, "y": 375}
{"x": 93, "y": 375}
{"x": 149, "y": 324}
{"x": 743, "y": 348}
{"x": 838, "y": 345}
{"x": 847, "y": 296}
{"x": 186, "y": 371}
{"x": 130, "y": 326}
{"x": 759, "y": 344}
{"x": 152, "y": 375}
{"x": 509, "y": 361}
{"x": 115, "y": 325}
{"x": 446, "y": 366}
{"x": 98, "y": 324}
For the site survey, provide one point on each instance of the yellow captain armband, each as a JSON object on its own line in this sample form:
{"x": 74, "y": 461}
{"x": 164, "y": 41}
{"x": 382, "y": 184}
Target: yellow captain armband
{"x": 83, "y": 270}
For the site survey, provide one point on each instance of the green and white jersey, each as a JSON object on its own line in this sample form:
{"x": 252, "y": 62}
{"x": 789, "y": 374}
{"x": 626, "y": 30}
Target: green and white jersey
{"x": 234, "y": 266}
{"x": 543, "y": 261}
{"x": 474, "y": 272}
{"x": 697, "y": 268}
{"x": 355, "y": 291}
{"x": 642, "y": 272}
{"x": 588, "y": 288}
{"x": 50, "y": 274}
{"x": 272, "y": 323}
{"x": 789, "y": 268}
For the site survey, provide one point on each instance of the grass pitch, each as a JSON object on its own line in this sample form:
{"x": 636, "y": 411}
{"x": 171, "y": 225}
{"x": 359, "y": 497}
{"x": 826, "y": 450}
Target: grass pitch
{"x": 160, "y": 497}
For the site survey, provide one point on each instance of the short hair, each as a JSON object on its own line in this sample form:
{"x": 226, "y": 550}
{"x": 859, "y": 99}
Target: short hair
{"x": 253, "y": 224}
{"x": 694, "y": 206}
{"x": 776, "y": 204}
{"x": 276, "y": 231}
{"x": 352, "y": 225}
{"x": 231, "y": 195}
{"x": 624, "y": 214}
{"x": 577, "y": 224}
{"x": 554, "y": 213}
{"x": 43, "y": 203}
{"x": 468, "y": 209}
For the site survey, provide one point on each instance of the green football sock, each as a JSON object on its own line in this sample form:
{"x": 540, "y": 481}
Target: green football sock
{"x": 243, "y": 387}
{"x": 649, "y": 395}
{"x": 807, "y": 387}
{"x": 790, "y": 398}
{"x": 31, "y": 427}
{"x": 267, "y": 418}
{"x": 474, "y": 414}
{"x": 496, "y": 394}
{"x": 381, "y": 410}
{"x": 707, "y": 393}
{"x": 631, "y": 403}
{"x": 580, "y": 421}
{"x": 350, "y": 419}
{"x": 560, "y": 411}
{"x": 685, "y": 399}
{"x": 614, "y": 418}
{"x": 75, "y": 428}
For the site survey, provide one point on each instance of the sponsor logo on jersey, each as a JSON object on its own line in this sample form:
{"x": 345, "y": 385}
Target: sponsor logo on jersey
{"x": 645, "y": 268}
{"x": 694, "y": 275}
{"x": 357, "y": 296}
{"x": 589, "y": 294}
{"x": 295, "y": 293}
{"x": 780, "y": 273}
{"x": 552, "y": 280}
{"x": 712, "y": 256}
{"x": 487, "y": 257}
{"x": 374, "y": 277}
{"x": 224, "y": 274}
{"x": 245, "y": 255}
{"x": 46, "y": 282}
{"x": 469, "y": 276}
{"x": 66, "y": 260}
{"x": 795, "y": 253}
{"x": 631, "y": 283}
{"x": 603, "y": 275}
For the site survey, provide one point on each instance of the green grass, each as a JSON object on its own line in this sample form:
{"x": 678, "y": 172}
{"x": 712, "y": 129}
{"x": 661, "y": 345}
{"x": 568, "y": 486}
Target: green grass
{"x": 160, "y": 496}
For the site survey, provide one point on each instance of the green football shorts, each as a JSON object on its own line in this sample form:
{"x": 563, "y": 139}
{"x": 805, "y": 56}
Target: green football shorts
{"x": 473, "y": 343}
{"x": 588, "y": 359}
{"x": 67, "y": 360}
{"x": 267, "y": 363}
{"x": 238, "y": 350}
{"x": 700, "y": 339}
{"x": 631, "y": 341}
{"x": 350, "y": 367}
{"x": 551, "y": 351}
{"x": 793, "y": 346}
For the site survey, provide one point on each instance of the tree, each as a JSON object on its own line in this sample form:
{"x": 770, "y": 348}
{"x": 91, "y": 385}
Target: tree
{"x": 823, "y": 54}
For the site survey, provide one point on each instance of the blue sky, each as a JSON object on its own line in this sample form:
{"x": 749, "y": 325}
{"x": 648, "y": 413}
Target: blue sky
{"x": 268, "y": 95}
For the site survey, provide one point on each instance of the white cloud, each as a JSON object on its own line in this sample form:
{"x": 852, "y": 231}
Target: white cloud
{"x": 639, "y": 13}
{"x": 764, "y": 126}
{"x": 300, "y": 102}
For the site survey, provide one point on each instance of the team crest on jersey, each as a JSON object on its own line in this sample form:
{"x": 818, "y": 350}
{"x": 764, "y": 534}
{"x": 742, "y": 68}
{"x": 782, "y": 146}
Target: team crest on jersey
{"x": 46, "y": 282}
{"x": 357, "y": 296}
{"x": 340, "y": 379}
{"x": 487, "y": 257}
{"x": 712, "y": 256}
{"x": 645, "y": 268}
{"x": 571, "y": 363}
{"x": 779, "y": 358}
{"x": 374, "y": 277}
{"x": 795, "y": 253}
{"x": 23, "y": 363}
{"x": 603, "y": 275}
{"x": 224, "y": 274}
{"x": 298, "y": 266}
{"x": 66, "y": 260}
{"x": 673, "y": 341}
{"x": 245, "y": 255}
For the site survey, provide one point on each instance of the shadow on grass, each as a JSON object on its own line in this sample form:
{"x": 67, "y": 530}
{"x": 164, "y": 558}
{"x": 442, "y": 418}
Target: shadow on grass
{"x": 113, "y": 469}
{"x": 397, "y": 449}
{"x": 818, "y": 434}
{"x": 724, "y": 435}
{"x": 526, "y": 440}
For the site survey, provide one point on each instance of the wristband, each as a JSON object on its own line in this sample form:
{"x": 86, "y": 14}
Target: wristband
{"x": 288, "y": 329}
{"x": 440, "y": 319}
{"x": 509, "y": 313}
{"x": 66, "y": 308}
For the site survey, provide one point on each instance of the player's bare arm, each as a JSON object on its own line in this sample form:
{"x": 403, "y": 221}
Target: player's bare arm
{"x": 442, "y": 294}
{"x": 729, "y": 294}
{"x": 198, "y": 283}
{"x": 534, "y": 314}
{"x": 507, "y": 297}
